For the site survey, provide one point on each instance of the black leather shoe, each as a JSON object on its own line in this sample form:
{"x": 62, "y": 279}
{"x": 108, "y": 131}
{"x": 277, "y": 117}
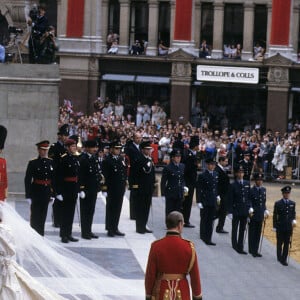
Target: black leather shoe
{"x": 64, "y": 240}
{"x": 141, "y": 231}
{"x": 241, "y": 251}
{"x": 188, "y": 225}
{"x": 86, "y": 237}
{"x": 110, "y": 233}
{"x": 210, "y": 244}
{"x": 94, "y": 236}
{"x": 119, "y": 233}
{"x": 284, "y": 263}
{"x": 148, "y": 231}
{"x": 221, "y": 231}
{"x": 72, "y": 239}
{"x": 55, "y": 225}
{"x": 256, "y": 255}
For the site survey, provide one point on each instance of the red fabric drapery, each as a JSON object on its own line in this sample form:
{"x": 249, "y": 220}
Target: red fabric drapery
{"x": 75, "y": 18}
{"x": 280, "y": 30}
{"x": 183, "y": 20}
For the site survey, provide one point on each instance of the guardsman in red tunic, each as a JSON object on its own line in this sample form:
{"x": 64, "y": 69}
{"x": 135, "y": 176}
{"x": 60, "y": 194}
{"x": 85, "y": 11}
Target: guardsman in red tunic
{"x": 170, "y": 260}
{"x": 3, "y": 172}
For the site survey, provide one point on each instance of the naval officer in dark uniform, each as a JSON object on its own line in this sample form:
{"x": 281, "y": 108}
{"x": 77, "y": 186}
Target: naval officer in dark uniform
{"x": 39, "y": 186}
{"x": 284, "y": 219}
{"x": 146, "y": 181}
{"x": 172, "y": 183}
{"x": 223, "y": 190}
{"x": 115, "y": 174}
{"x": 207, "y": 198}
{"x": 68, "y": 189}
{"x": 260, "y": 212}
{"x": 247, "y": 164}
{"x": 55, "y": 152}
{"x": 90, "y": 182}
{"x": 192, "y": 164}
{"x": 132, "y": 151}
{"x": 239, "y": 209}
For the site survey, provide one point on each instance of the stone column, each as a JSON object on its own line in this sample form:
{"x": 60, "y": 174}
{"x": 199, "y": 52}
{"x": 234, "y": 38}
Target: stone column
{"x": 105, "y": 12}
{"x": 197, "y": 24}
{"x": 61, "y": 18}
{"x": 153, "y": 27}
{"x": 295, "y": 30}
{"x": 269, "y": 5}
{"x": 280, "y": 29}
{"x": 173, "y": 3}
{"x": 183, "y": 25}
{"x": 278, "y": 98}
{"x": 217, "y": 51}
{"x": 181, "y": 80}
{"x": 248, "y": 31}
{"x": 124, "y": 26}
{"x": 92, "y": 25}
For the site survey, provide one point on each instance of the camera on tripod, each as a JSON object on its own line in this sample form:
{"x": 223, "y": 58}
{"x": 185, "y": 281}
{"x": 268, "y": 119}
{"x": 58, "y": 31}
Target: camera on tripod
{"x": 15, "y": 30}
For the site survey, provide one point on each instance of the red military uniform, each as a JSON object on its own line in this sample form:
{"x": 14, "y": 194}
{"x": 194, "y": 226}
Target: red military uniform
{"x": 3, "y": 179}
{"x": 170, "y": 260}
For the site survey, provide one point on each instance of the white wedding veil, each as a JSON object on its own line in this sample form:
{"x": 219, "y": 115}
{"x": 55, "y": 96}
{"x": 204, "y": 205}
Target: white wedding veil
{"x": 64, "y": 271}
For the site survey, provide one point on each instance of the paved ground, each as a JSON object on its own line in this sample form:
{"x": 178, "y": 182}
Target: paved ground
{"x": 225, "y": 274}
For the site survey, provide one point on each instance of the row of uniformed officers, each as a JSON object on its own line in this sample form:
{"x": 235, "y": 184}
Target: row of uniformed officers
{"x": 67, "y": 176}
{"x": 217, "y": 198}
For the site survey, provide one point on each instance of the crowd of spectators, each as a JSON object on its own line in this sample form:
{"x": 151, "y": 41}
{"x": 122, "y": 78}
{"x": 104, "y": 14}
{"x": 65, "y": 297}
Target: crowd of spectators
{"x": 274, "y": 153}
{"x": 232, "y": 51}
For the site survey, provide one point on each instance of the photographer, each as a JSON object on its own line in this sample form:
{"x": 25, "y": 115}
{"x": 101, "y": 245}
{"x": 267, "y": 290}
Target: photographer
{"x": 39, "y": 24}
{"x": 48, "y": 47}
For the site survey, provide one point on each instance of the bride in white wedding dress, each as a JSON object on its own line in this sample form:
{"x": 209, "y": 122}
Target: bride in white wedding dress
{"x": 15, "y": 282}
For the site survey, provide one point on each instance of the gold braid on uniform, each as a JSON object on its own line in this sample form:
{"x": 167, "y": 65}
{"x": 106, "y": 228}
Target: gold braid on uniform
{"x": 192, "y": 261}
{"x": 172, "y": 293}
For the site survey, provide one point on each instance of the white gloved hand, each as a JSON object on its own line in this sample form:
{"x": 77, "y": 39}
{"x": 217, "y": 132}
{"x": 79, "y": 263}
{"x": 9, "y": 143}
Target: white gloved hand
{"x": 51, "y": 200}
{"x": 59, "y": 198}
{"x": 294, "y": 223}
{"x": 218, "y": 200}
{"x": 274, "y": 229}
{"x": 251, "y": 211}
{"x": 185, "y": 189}
{"x": 104, "y": 194}
{"x": 200, "y": 205}
{"x": 229, "y": 216}
{"x": 29, "y": 201}
{"x": 266, "y": 214}
{"x": 82, "y": 194}
{"x": 149, "y": 164}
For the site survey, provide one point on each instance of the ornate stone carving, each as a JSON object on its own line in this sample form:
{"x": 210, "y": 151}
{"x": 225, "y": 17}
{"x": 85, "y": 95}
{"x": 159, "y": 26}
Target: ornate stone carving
{"x": 93, "y": 64}
{"x": 180, "y": 54}
{"x": 278, "y": 75}
{"x": 181, "y": 69}
{"x": 278, "y": 59}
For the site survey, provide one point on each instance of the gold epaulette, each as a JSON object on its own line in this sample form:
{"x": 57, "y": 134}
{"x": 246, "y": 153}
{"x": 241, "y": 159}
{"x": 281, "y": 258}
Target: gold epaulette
{"x": 104, "y": 188}
{"x": 63, "y": 155}
{"x": 135, "y": 186}
{"x": 82, "y": 187}
{"x": 33, "y": 159}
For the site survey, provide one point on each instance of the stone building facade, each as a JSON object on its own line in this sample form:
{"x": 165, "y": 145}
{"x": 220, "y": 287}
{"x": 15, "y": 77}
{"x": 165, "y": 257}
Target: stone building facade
{"x": 88, "y": 71}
